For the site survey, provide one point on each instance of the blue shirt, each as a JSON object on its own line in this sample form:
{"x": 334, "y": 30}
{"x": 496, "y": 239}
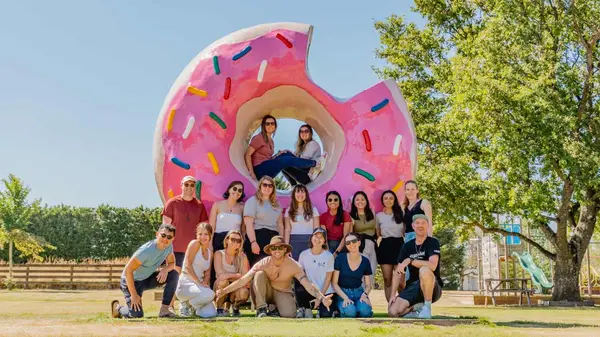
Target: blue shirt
{"x": 151, "y": 258}
{"x": 348, "y": 278}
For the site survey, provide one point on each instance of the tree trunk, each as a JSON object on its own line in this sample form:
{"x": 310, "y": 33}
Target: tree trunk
{"x": 566, "y": 279}
{"x": 10, "y": 259}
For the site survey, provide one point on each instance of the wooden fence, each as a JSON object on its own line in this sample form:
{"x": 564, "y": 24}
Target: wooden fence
{"x": 76, "y": 276}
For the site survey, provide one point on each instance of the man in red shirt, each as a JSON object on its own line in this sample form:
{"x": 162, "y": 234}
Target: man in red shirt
{"x": 184, "y": 212}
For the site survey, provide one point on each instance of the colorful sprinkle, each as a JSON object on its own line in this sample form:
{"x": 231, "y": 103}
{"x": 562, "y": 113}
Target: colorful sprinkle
{"x": 196, "y": 91}
{"x": 284, "y": 40}
{"x": 227, "y": 88}
{"x": 170, "y": 120}
{"x": 216, "y": 65}
{"x": 171, "y": 194}
{"x": 261, "y": 70}
{"x": 365, "y": 174}
{"x": 365, "y": 134}
{"x": 380, "y": 105}
{"x": 180, "y": 163}
{"x": 198, "y": 189}
{"x": 397, "y": 142}
{"x": 218, "y": 120}
{"x": 213, "y": 162}
{"x": 188, "y": 128}
{"x": 242, "y": 53}
{"x": 396, "y": 187}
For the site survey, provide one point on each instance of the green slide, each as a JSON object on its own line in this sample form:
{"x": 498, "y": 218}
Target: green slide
{"x": 537, "y": 274}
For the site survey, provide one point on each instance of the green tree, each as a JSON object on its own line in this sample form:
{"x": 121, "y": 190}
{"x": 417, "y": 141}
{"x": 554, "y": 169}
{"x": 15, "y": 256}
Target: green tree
{"x": 282, "y": 184}
{"x": 15, "y": 215}
{"x": 505, "y": 97}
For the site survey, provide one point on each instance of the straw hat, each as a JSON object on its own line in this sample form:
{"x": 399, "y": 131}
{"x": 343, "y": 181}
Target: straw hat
{"x": 277, "y": 240}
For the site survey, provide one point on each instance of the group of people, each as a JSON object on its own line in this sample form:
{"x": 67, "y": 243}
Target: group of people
{"x": 288, "y": 263}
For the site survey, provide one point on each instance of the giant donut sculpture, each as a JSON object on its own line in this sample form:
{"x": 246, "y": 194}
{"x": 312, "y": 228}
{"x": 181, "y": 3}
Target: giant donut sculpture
{"x": 217, "y": 102}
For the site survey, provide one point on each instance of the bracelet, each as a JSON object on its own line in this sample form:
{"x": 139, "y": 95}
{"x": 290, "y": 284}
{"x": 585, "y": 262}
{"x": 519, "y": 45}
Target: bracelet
{"x": 251, "y": 242}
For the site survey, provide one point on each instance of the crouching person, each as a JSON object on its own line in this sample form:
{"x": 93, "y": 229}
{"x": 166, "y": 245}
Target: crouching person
{"x": 272, "y": 281}
{"x": 141, "y": 274}
{"x": 193, "y": 288}
{"x": 424, "y": 286}
{"x": 230, "y": 264}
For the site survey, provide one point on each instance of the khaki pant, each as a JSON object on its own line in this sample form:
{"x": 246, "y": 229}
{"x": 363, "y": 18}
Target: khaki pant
{"x": 264, "y": 294}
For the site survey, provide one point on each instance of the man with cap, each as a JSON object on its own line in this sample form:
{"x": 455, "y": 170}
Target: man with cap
{"x": 422, "y": 257}
{"x": 184, "y": 212}
{"x": 272, "y": 281}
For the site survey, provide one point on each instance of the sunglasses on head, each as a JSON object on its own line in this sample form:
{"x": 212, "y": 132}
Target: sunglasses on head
{"x": 164, "y": 235}
{"x": 269, "y": 123}
{"x": 348, "y": 242}
{"x": 267, "y": 185}
{"x": 278, "y": 248}
{"x": 189, "y": 185}
{"x": 237, "y": 189}
{"x": 333, "y": 200}
{"x": 305, "y": 131}
{"x": 235, "y": 240}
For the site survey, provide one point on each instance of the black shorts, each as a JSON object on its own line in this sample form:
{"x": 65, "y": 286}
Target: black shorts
{"x": 218, "y": 241}
{"x": 179, "y": 259}
{"x": 388, "y": 250}
{"x": 413, "y": 293}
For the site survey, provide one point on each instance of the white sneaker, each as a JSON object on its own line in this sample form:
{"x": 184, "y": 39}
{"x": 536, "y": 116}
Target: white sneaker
{"x": 315, "y": 171}
{"x": 425, "y": 313}
{"x": 412, "y": 314}
{"x": 308, "y": 313}
{"x": 185, "y": 309}
{"x": 300, "y": 313}
{"x": 417, "y": 307}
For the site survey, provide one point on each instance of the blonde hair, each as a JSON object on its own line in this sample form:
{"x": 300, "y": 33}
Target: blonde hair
{"x": 206, "y": 226}
{"x": 239, "y": 254}
{"x": 300, "y": 143}
{"x": 272, "y": 198}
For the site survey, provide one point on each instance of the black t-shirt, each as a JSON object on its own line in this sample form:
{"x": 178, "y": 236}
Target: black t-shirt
{"x": 351, "y": 279}
{"x": 422, "y": 252}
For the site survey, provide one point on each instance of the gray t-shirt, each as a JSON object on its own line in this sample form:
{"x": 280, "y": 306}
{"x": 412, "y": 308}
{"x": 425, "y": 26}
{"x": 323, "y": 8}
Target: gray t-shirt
{"x": 389, "y": 228}
{"x": 312, "y": 151}
{"x": 265, "y": 216}
{"x": 151, "y": 258}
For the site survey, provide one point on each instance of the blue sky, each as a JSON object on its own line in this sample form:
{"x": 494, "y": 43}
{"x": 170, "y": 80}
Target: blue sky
{"x": 82, "y": 82}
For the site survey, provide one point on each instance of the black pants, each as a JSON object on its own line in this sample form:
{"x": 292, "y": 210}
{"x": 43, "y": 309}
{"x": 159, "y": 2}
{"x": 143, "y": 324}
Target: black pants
{"x": 217, "y": 245}
{"x": 263, "y": 238}
{"x": 303, "y": 299}
{"x": 296, "y": 175}
{"x": 149, "y": 283}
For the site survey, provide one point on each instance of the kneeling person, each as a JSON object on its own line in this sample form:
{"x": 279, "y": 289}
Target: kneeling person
{"x": 272, "y": 281}
{"x": 422, "y": 257}
{"x": 140, "y": 274}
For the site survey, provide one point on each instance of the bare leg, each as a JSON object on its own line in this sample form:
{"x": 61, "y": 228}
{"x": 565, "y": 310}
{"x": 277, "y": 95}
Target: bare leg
{"x": 427, "y": 280}
{"x": 220, "y": 284}
{"x": 387, "y": 270}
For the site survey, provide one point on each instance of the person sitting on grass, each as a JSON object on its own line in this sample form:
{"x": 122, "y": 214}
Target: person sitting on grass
{"x": 422, "y": 257}
{"x": 141, "y": 273}
{"x": 272, "y": 281}
{"x": 230, "y": 264}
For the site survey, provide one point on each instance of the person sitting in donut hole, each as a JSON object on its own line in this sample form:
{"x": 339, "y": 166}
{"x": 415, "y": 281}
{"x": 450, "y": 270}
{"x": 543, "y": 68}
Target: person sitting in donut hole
{"x": 261, "y": 162}
{"x": 306, "y": 148}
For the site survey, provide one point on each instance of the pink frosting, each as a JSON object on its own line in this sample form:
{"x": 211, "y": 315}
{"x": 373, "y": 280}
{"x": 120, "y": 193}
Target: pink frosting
{"x": 286, "y": 66}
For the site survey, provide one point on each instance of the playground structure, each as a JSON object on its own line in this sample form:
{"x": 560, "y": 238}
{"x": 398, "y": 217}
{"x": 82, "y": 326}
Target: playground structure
{"x": 217, "y": 102}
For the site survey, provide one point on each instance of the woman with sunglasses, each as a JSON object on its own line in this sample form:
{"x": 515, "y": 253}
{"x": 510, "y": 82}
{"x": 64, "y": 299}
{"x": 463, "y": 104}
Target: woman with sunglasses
{"x": 259, "y": 157}
{"x": 365, "y": 225}
{"x": 226, "y": 215}
{"x": 193, "y": 289}
{"x": 351, "y": 270}
{"x": 262, "y": 218}
{"x": 300, "y": 220}
{"x": 336, "y": 222}
{"x": 307, "y": 148}
{"x": 231, "y": 264}
{"x": 390, "y": 230}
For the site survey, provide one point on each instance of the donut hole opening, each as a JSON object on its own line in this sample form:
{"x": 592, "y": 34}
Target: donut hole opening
{"x": 291, "y": 106}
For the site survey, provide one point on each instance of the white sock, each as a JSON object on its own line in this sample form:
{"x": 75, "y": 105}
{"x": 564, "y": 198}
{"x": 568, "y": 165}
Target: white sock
{"x": 427, "y": 304}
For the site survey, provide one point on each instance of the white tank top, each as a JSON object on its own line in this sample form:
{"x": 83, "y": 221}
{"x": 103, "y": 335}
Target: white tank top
{"x": 199, "y": 264}
{"x": 227, "y": 222}
{"x": 229, "y": 268}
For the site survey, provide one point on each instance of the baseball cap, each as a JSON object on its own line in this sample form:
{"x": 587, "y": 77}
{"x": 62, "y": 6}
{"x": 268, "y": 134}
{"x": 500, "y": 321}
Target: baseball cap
{"x": 420, "y": 216}
{"x": 188, "y": 178}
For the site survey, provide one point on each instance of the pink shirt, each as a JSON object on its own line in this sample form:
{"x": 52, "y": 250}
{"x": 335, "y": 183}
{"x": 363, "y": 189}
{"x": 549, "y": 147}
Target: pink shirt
{"x": 263, "y": 151}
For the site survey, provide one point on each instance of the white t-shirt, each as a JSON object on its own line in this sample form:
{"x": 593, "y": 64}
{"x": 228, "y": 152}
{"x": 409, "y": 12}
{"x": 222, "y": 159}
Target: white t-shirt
{"x": 389, "y": 228}
{"x": 316, "y": 267}
{"x": 301, "y": 225}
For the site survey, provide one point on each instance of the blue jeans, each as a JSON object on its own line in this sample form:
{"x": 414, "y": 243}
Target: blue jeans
{"x": 273, "y": 166}
{"x": 358, "y": 309}
{"x": 128, "y": 312}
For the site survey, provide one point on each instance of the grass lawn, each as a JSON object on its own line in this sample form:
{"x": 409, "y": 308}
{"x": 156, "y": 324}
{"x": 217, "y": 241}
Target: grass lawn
{"x": 79, "y": 313}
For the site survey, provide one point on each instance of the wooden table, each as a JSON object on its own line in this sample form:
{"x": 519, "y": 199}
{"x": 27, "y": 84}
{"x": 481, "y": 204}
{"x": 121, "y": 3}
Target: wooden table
{"x": 516, "y": 285}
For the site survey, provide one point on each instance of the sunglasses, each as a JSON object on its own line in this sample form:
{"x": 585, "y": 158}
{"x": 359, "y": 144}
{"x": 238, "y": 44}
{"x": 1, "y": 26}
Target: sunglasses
{"x": 278, "y": 248}
{"x": 333, "y": 200}
{"x": 189, "y": 185}
{"x": 237, "y": 189}
{"x": 267, "y": 185}
{"x": 270, "y": 123}
{"x": 163, "y": 235}
{"x": 305, "y": 131}
{"x": 349, "y": 242}
{"x": 235, "y": 240}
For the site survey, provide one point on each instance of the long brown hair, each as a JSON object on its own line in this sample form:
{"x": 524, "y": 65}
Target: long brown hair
{"x": 307, "y": 206}
{"x": 405, "y": 201}
{"x": 272, "y": 197}
{"x": 263, "y": 127}
{"x": 239, "y": 254}
{"x": 300, "y": 143}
